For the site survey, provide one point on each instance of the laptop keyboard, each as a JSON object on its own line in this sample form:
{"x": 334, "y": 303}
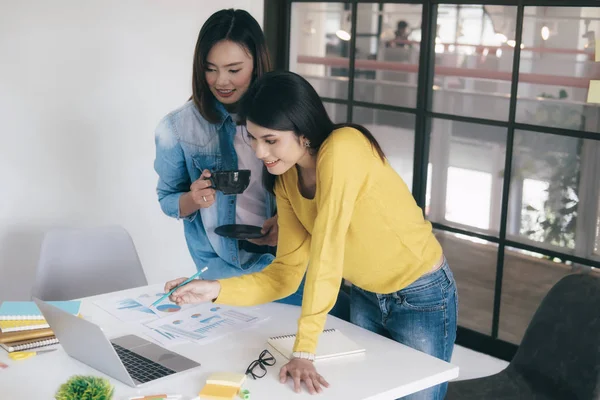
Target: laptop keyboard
{"x": 140, "y": 368}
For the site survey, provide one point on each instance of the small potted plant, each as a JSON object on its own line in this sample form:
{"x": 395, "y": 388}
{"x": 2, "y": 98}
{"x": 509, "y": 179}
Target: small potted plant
{"x": 80, "y": 387}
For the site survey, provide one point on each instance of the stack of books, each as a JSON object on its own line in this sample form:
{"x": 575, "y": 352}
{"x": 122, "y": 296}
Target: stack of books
{"x": 23, "y": 327}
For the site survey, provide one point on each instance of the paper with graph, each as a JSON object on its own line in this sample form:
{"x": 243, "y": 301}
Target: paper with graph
{"x": 164, "y": 338}
{"x": 170, "y": 324}
{"x": 206, "y": 322}
{"x": 127, "y": 309}
{"x": 137, "y": 307}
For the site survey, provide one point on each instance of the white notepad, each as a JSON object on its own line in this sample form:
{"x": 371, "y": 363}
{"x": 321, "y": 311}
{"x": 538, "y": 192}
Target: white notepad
{"x": 332, "y": 343}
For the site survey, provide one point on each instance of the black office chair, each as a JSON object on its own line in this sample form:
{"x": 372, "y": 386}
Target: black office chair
{"x": 559, "y": 356}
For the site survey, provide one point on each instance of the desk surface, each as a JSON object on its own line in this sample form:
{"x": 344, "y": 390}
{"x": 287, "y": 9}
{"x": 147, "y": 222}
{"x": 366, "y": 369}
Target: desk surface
{"x": 387, "y": 370}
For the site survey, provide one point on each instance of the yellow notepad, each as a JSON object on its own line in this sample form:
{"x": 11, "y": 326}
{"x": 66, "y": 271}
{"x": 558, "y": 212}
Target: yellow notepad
{"x": 22, "y": 325}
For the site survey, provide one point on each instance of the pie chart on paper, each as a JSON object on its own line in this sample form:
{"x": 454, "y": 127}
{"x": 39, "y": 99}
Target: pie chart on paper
{"x": 168, "y": 308}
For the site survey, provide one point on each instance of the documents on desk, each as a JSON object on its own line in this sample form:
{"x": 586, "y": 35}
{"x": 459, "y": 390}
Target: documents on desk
{"x": 170, "y": 324}
{"x": 206, "y": 322}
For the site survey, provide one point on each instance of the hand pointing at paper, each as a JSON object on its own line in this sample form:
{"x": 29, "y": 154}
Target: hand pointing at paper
{"x": 197, "y": 291}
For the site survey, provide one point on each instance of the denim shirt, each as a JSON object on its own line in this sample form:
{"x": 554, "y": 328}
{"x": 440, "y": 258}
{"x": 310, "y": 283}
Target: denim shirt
{"x": 186, "y": 144}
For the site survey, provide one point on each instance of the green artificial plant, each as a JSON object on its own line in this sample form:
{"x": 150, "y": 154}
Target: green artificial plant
{"x": 81, "y": 387}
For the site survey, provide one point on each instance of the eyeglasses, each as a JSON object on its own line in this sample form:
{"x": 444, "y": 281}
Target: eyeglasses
{"x": 257, "y": 368}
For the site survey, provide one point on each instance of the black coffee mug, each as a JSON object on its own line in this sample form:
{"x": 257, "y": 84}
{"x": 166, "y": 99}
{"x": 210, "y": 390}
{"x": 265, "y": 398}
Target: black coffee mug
{"x": 230, "y": 182}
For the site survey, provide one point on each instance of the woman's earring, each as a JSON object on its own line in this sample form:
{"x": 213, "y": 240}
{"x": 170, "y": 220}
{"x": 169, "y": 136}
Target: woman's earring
{"x": 307, "y": 143}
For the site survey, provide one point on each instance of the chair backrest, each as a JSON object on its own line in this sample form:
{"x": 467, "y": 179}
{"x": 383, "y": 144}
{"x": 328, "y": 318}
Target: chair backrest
{"x": 560, "y": 352}
{"x": 77, "y": 263}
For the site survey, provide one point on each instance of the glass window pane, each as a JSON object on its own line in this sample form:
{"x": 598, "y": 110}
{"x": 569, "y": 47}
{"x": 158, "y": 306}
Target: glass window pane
{"x": 545, "y": 190}
{"x": 387, "y": 53}
{"x": 428, "y": 189}
{"x": 557, "y": 64}
{"x": 395, "y": 132}
{"x": 527, "y": 278}
{"x": 473, "y": 263}
{"x": 337, "y": 112}
{"x": 473, "y": 60}
{"x": 319, "y": 46}
{"x": 466, "y": 183}
{"x": 465, "y": 177}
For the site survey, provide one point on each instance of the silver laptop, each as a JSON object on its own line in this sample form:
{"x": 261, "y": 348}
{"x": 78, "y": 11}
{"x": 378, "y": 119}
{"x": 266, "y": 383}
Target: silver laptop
{"x": 130, "y": 359}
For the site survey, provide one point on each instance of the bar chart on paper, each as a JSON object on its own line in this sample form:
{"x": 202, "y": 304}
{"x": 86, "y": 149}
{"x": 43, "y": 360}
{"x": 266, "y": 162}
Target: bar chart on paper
{"x": 204, "y": 330}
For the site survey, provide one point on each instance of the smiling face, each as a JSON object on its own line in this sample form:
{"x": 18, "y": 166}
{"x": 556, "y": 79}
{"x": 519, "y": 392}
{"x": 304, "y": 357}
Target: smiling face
{"x": 278, "y": 150}
{"x": 229, "y": 70}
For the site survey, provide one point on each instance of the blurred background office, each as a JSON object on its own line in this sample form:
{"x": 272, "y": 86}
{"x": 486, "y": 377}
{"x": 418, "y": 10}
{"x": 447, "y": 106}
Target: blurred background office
{"x": 483, "y": 110}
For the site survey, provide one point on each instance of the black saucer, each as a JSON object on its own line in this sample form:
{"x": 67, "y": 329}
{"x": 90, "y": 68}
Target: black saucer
{"x": 238, "y": 231}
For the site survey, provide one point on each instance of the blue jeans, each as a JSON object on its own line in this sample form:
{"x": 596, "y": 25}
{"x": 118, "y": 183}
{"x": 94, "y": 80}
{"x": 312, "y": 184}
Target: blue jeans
{"x": 422, "y": 315}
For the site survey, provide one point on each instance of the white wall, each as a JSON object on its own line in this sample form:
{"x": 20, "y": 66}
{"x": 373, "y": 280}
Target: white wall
{"x": 82, "y": 87}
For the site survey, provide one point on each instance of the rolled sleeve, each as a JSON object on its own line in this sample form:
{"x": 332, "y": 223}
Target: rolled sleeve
{"x": 169, "y": 164}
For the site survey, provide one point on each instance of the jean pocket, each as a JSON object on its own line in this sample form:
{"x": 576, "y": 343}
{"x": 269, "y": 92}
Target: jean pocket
{"x": 428, "y": 297}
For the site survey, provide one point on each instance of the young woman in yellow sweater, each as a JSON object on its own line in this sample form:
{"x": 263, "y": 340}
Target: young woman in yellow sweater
{"x": 343, "y": 213}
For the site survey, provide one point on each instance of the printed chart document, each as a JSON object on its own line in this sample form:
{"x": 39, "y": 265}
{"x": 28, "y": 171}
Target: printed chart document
{"x": 206, "y": 322}
{"x": 137, "y": 308}
{"x": 169, "y": 324}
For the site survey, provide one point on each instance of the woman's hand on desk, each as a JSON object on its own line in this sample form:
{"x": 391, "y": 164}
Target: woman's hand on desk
{"x": 197, "y": 291}
{"x": 303, "y": 371}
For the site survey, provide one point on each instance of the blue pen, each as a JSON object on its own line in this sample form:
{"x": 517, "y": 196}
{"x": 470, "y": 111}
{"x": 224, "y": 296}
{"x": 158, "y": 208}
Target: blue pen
{"x": 188, "y": 280}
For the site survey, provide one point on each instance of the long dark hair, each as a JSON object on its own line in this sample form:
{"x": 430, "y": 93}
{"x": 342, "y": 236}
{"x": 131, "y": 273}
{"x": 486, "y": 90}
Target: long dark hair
{"x": 239, "y": 27}
{"x": 285, "y": 101}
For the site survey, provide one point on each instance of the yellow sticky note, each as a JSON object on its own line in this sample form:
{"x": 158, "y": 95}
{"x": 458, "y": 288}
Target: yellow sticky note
{"x": 218, "y": 392}
{"x": 226, "y": 379}
{"x": 594, "y": 92}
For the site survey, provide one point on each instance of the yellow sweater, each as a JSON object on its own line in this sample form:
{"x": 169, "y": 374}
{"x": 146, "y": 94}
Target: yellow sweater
{"x": 362, "y": 225}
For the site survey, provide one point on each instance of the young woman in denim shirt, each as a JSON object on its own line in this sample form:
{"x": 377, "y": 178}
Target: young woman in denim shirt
{"x": 342, "y": 207}
{"x": 202, "y": 136}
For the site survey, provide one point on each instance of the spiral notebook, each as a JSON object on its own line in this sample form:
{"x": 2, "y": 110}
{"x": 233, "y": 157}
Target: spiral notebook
{"x": 38, "y": 334}
{"x": 29, "y": 344}
{"x": 332, "y": 343}
{"x": 22, "y": 325}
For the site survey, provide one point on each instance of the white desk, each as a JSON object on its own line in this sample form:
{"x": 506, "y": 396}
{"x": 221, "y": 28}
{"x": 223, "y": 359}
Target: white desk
{"x": 387, "y": 370}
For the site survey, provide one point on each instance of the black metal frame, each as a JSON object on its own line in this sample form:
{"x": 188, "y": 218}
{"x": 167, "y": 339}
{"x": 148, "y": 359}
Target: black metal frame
{"x": 277, "y": 30}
